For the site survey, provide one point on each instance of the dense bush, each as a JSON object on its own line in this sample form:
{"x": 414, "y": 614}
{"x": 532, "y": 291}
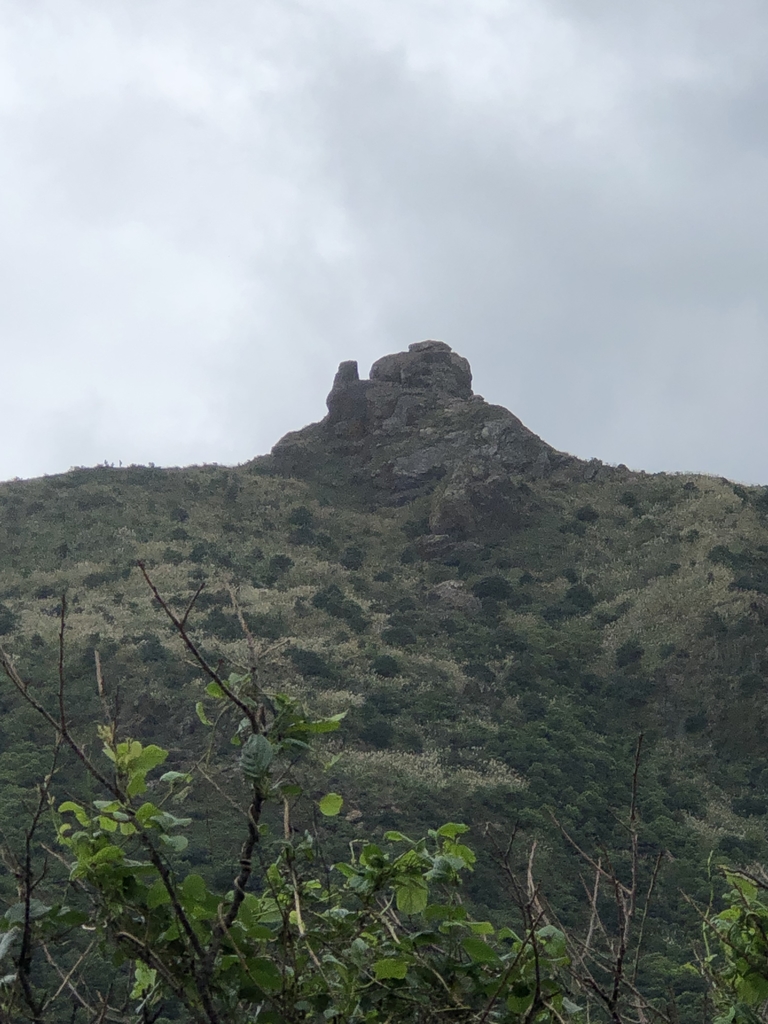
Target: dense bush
{"x": 310, "y": 663}
{"x": 332, "y": 600}
{"x": 352, "y": 557}
{"x": 398, "y": 636}
{"x": 495, "y": 588}
{"x": 385, "y": 665}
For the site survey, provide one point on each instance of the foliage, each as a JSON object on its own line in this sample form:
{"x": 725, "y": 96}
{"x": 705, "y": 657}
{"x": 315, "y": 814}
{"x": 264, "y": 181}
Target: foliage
{"x": 379, "y": 936}
{"x": 506, "y": 713}
{"x": 736, "y": 950}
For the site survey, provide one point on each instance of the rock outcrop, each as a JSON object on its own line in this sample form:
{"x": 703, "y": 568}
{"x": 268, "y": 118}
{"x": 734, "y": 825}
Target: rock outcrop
{"x": 414, "y": 427}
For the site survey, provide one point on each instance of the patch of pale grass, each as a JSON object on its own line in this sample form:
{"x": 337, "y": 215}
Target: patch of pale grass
{"x": 426, "y": 770}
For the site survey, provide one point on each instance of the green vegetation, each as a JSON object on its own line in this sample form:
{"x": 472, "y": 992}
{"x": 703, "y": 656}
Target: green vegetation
{"x": 498, "y": 672}
{"x": 380, "y": 935}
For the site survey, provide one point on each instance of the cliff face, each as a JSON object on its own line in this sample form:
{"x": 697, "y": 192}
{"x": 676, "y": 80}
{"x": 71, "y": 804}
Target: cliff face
{"x": 414, "y": 427}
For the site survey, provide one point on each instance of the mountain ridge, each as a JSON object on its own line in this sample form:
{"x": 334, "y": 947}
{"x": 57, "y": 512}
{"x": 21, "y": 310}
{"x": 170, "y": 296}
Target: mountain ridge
{"x": 497, "y": 626}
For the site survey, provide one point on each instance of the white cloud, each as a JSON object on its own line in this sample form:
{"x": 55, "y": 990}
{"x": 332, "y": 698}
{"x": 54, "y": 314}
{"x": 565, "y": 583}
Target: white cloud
{"x": 205, "y": 208}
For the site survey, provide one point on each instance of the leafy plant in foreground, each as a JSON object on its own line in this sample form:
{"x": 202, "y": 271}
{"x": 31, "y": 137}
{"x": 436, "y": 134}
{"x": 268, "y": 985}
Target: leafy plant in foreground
{"x": 383, "y": 935}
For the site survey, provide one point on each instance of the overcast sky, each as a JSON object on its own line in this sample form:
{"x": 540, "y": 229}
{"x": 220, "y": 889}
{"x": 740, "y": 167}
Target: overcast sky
{"x": 204, "y": 207}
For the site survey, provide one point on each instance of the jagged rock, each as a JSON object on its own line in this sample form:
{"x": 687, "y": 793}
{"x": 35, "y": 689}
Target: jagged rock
{"x": 426, "y": 366}
{"x": 414, "y": 428}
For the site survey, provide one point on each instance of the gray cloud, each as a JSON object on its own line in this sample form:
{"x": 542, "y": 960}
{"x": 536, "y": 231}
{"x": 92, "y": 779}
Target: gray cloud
{"x": 205, "y": 210}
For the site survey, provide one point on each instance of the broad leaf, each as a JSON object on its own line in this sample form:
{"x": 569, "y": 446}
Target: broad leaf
{"x": 331, "y": 804}
{"x": 265, "y": 974}
{"x": 411, "y": 898}
{"x": 394, "y": 967}
{"x": 480, "y": 951}
{"x": 256, "y": 757}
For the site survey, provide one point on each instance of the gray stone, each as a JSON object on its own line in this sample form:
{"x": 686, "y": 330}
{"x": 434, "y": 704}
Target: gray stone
{"x": 452, "y": 595}
{"x": 414, "y": 429}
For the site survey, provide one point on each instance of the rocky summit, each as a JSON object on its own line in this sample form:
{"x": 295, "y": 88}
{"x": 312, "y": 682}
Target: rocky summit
{"x": 415, "y": 427}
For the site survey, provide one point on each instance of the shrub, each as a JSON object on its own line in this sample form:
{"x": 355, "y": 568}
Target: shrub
{"x": 352, "y": 558}
{"x": 696, "y": 722}
{"x": 310, "y": 663}
{"x": 399, "y": 636}
{"x": 578, "y": 599}
{"x": 477, "y": 670}
{"x": 630, "y": 653}
{"x": 280, "y": 564}
{"x": 587, "y": 514}
{"x": 223, "y": 625}
{"x": 495, "y": 588}
{"x": 378, "y": 732}
{"x": 302, "y": 535}
{"x": 331, "y": 599}
{"x": 386, "y": 666}
{"x": 8, "y": 620}
{"x": 268, "y": 625}
{"x": 301, "y": 516}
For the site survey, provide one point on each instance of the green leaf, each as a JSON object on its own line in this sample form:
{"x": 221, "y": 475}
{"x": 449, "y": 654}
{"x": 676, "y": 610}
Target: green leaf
{"x": 158, "y": 895}
{"x": 393, "y": 967}
{"x": 371, "y": 856}
{"x": 7, "y": 941}
{"x": 521, "y": 998}
{"x": 451, "y": 829}
{"x": 331, "y": 804}
{"x": 397, "y": 837}
{"x": 479, "y": 951}
{"x": 265, "y": 974}
{"x": 175, "y": 777}
{"x": 481, "y": 927}
{"x": 325, "y": 724}
{"x": 444, "y": 869}
{"x": 201, "y": 713}
{"x": 137, "y": 784}
{"x": 256, "y": 756}
{"x": 290, "y": 789}
{"x": 107, "y": 855}
{"x": 77, "y": 810}
{"x": 146, "y": 812}
{"x": 145, "y": 980}
{"x": 452, "y": 849}
{"x": 177, "y": 843}
{"x": 411, "y": 898}
{"x": 149, "y": 758}
{"x": 167, "y": 820}
{"x": 194, "y": 889}
{"x": 17, "y": 913}
{"x": 70, "y": 918}
{"x": 214, "y": 690}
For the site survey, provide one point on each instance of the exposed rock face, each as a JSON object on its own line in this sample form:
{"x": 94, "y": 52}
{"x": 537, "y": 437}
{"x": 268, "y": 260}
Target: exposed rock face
{"x": 400, "y": 390}
{"x": 415, "y": 427}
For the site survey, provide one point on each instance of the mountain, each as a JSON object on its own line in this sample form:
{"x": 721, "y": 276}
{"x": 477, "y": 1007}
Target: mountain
{"x": 499, "y": 619}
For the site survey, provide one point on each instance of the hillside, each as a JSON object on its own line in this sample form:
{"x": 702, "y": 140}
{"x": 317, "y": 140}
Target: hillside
{"x": 500, "y": 619}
